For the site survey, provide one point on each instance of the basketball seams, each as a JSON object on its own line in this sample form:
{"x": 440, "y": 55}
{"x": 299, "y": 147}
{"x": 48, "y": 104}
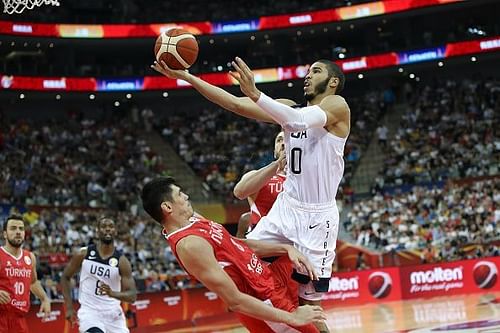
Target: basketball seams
{"x": 184, "y": 53}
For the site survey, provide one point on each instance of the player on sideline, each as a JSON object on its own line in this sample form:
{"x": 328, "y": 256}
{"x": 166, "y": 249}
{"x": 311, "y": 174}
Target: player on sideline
{"x": 261, "y": 187}
{"x": 105, "y": 281}
{"x": 305, "y": 213}
{"x": 229, "y": 266}
{"x": 17, "y": 277}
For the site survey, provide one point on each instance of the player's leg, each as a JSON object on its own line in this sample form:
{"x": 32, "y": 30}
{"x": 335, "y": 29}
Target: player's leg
{"x": 286, "y": 290}
{"x": 317, "y": 242}
{"x": 273, "y": 226}
{"x": 90, "y": 321}
{"x": 116, "y": 322}
{"x": 243, "y": 225}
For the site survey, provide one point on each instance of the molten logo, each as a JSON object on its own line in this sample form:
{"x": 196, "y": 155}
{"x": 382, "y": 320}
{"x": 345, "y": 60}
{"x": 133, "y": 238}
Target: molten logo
{"x": 379, "y": 284}
{"x": 436, "y": 275}
{"x": 339, "y": 284}
{"x": 485, "y": 274}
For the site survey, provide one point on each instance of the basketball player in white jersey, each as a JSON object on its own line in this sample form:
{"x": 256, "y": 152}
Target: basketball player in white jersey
{"x": 305, "y": 213}
{"x": 105, "y": 281}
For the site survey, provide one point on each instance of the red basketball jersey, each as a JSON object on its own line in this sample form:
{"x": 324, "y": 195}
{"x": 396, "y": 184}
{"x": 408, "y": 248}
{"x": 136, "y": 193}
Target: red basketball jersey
{"x": 266, "y": 197}
{"x": 250, "y": 275}
{"x": 15, "y": 278}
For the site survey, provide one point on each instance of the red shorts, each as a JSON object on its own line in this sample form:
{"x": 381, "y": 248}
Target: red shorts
{"x": 285, "y": 297}
{"x": 13, "y": 322}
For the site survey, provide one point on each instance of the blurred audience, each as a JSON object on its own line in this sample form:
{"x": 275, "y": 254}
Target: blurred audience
{"x": 438, "y": 221}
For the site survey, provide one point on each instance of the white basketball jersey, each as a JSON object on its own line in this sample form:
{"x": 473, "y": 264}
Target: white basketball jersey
{"x": 94, "y": 270}
{"x": 315, "y": 161}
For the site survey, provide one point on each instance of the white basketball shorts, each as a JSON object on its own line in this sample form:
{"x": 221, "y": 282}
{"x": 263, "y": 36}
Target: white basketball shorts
{"x": 108, "y": 321}
{"x": 311, "y": 228}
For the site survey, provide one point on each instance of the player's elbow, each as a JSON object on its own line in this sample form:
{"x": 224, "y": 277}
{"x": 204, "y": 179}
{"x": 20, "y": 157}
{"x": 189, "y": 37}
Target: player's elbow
{"x": 239, "y": 192}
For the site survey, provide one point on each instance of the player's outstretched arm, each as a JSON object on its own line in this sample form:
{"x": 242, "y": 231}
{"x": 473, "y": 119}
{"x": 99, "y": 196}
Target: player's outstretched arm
{"x": 73, "y": 266}
{"x": 242, "y": 106}
{"x": 37, "y": 289}
{"x": 206, "y": 269}
{"x": 254, "y": 180}
{"x": 330, "y": 111}
{"x": 128, "y": 291}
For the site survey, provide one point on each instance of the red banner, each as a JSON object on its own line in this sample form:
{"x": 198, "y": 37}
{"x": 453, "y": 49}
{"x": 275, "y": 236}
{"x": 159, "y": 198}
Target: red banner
{"x": 363, "y": 287}
{"x": 206, "y": 27}
{"x": 168, "y": 310}
{"x": 461, "y": 277}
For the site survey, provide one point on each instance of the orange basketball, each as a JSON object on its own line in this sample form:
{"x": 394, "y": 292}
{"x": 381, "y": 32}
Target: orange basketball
{"x": 178, "y": 48}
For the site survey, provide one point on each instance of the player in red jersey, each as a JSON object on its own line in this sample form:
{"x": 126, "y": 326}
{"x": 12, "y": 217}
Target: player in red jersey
{"x": 229, "y": 266}
{"x": 261, "y": 187}
{"x": 17, "y": 278}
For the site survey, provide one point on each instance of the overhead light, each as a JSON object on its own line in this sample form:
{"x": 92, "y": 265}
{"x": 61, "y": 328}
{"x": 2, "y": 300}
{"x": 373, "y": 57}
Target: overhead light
{"x": 165, "y": 94}
{"x": 473, "y": 59}
{"x": 412, "y": 76}
{"x": 129, "y": 96}
{"x": 290, "y": 84}
{"x": 341, "y": 55}
{"x": 211, "y": 41}
{"x": 252, "y": 37}
{"x": 117, "y": 103}
{"x": 360, "y": 76}
{"x": 220, "y": 68}
{"x": 417, "y": 79}
{"x": 91, "y": 96}
{"x": 299, "y": 32}
{"x": 440, "y": 64}
{"x": 400, "y": 69}
{"x": 21, "y": 96}
{"x": 58, "y": 97}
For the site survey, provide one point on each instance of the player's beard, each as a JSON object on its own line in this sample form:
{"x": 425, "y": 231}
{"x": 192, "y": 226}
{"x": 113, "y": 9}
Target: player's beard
{"x": 107, "y": 241}
{"x": 319, "y": 89}
{"x": 15, "y": 242}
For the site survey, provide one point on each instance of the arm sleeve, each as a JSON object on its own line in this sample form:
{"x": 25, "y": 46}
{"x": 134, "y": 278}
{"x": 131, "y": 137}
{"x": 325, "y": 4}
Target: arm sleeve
{"x": 291, "y": 119}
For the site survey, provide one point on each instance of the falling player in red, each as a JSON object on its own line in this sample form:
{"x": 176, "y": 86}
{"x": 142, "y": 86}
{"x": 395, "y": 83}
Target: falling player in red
{"x": 229, "y": 266}
{"x": 17, "y": 278}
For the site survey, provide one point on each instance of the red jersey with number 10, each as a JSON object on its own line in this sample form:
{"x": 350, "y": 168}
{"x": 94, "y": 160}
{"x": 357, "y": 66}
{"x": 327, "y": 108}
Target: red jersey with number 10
{"x": 250, "y": 275}
{"x": 15, "y": 278}
{"x": 266, "y": 197}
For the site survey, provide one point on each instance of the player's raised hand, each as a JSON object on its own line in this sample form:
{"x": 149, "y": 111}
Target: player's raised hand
{"x": 4, "y": 297}
{"x": 162, "y": 68}
{"x": 243, "y": 74}
{"x": 306, "y": 314}
{"x": 301, "y": 263}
